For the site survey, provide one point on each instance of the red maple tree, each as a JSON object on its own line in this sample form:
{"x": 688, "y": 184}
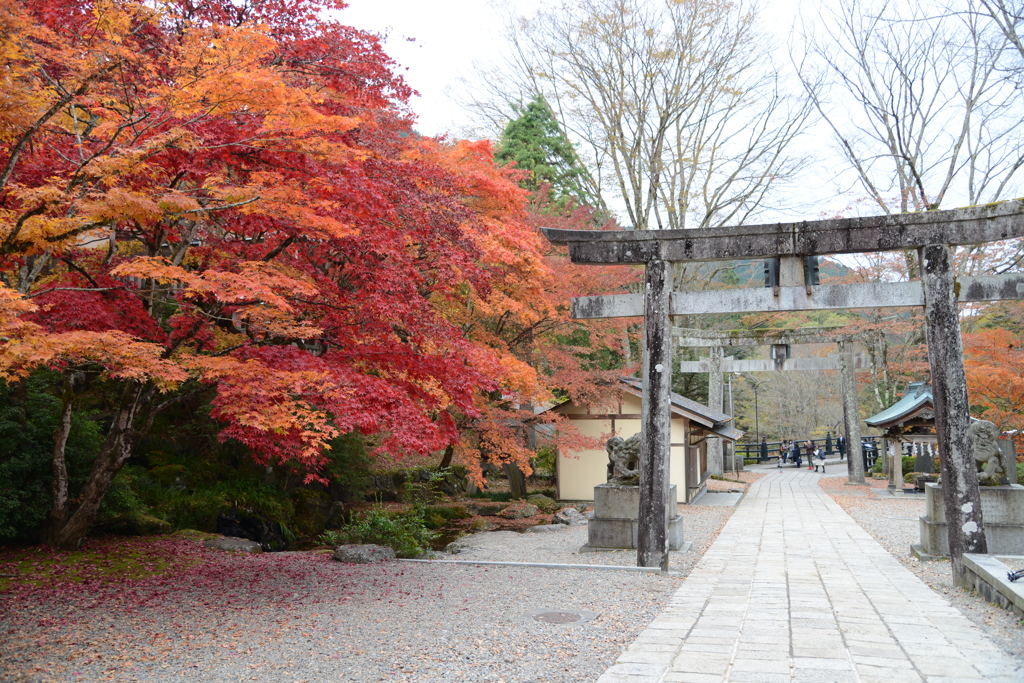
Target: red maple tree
{"x": 230, "y": 198}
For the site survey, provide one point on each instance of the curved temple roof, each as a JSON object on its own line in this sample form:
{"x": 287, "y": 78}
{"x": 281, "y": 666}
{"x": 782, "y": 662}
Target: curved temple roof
{"x": 917, "y": 396}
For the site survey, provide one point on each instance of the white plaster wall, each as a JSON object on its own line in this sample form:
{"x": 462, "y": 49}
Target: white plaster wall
{"x": 580, "y": 471}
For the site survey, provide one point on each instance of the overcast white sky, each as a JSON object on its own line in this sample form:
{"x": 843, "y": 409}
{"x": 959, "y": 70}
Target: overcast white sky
{"x": 446, "y": 35}
{"x": 434, "y": 43}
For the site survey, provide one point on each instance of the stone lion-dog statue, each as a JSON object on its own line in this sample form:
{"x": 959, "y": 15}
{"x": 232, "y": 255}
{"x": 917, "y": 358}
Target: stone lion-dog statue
{"x": 988, "y": 456}
{"x": 623, "y": 460}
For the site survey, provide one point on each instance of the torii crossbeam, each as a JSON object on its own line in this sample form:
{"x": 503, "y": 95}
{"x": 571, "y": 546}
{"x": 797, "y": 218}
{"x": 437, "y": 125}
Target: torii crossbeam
{"x": 715, "y": 364}
{"x": 931, "y": 234}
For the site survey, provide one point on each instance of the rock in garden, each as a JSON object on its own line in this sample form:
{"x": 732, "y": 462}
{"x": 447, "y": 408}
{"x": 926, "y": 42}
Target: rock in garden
{"x": 459, "y": 545}
{"x": 363, "y": 554}
{"x": 336, "y": 515}
{"x": 487, "y": 509}
{"x": 570, "y": 516}
{"x": 519, "y": 511}
{"x": 544, "y": 528}
{"x": 253, "y": 525}
{"x": 232, "y": 544}
{"x": 543, "y": 502}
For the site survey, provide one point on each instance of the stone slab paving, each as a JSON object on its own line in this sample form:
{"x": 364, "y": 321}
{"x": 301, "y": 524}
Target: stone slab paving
{"x": 718, "y": 498}
{"x": 794, "y": 590}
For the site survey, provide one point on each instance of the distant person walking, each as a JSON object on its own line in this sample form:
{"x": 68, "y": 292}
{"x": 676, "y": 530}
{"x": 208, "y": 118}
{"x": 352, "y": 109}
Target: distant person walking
{"x": 819, "y": 460}
{"x": 809, "y": 450}
{"x": 795, "y": 454}
{"x": 841, "y": 445}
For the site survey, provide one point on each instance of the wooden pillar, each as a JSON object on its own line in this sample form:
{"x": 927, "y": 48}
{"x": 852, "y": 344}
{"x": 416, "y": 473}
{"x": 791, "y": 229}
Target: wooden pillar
{"x": 952, "y": 411}
{"x": 715, "y": 397}
{"x": 851, "y": 413}
{"x": 652, "y": 534}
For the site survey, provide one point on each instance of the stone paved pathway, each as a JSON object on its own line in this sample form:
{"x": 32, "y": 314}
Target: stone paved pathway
{"x": 794, "y": 590}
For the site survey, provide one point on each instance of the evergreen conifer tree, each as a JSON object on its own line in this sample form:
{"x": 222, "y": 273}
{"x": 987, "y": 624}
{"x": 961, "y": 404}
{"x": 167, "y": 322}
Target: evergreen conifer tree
{"x": 536, "y": 143}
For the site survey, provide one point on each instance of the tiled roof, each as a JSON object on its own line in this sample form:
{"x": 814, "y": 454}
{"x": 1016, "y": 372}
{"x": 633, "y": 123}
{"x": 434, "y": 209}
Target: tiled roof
{"x": 918, "y": 395}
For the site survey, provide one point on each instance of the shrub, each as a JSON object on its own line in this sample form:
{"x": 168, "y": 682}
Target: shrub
{"x": 349, "y": 463}
{"x": 122, "y": 498}
{"x": 544, "y": 466}
{"x": 436, "y": 516}
{"x": 405, "y": 532}
{"x": 198, "y": 508}
{"x": 332, "y": 538}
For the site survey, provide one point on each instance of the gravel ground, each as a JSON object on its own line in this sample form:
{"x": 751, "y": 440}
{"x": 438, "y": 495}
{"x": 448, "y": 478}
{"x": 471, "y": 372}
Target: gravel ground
{"x": 893, "y": 522}
{"x": 303, "y": 617}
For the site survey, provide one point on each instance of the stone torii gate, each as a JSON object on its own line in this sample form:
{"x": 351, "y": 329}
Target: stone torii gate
{"x": 931, "y": 234}
{"x": 715, "y": 365}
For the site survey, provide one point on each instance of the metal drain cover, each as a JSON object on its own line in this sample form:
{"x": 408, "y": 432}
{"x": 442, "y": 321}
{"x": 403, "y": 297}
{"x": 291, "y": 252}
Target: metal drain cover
{"x": 562, "y": 617}
{"x": 557, "y": 617}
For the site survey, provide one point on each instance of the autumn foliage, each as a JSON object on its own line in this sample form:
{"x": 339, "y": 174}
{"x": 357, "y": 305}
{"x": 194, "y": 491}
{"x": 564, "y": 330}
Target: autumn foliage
{"x": 231, "y": 198}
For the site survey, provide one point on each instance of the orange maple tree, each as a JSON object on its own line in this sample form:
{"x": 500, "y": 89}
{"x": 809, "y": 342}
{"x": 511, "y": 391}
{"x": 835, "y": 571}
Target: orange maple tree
{"x": 994, "y": 363}
{"x": 520, "y": 323}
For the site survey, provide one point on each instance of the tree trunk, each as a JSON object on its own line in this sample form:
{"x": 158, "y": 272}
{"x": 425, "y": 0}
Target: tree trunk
{"x": 112, "y": 457}
{"x": 59, "y": 488}
{"x": 446, "y": 459}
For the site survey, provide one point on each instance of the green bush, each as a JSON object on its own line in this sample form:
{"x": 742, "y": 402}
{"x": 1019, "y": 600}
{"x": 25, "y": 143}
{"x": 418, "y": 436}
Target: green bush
{"x": 29, "y": 414}
{"x": 332, "y": 538}
{"x": 348, "y": 462}
{"x": 1020, "y": 472}
{"x": 198, "y": 508}
{"x": 192, "y": 510}
{"x": 544, "y": 465}
{"x": 122, "y": 498}
{"x": 436, "y": 516}
{"x": 405, "y": 532}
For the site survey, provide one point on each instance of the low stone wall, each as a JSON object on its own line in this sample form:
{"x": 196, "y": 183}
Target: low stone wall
{"x": 987, "y": 575}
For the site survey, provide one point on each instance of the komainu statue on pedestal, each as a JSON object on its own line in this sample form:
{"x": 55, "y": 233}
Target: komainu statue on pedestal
{"x": 989, "y": 458}
{"x": 623, "y": 460}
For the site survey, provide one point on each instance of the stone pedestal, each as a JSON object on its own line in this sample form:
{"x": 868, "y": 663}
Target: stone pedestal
{"x": 1002, "y": 513}
{"x": 896, "y": 472}
{"x": 616, "y": 510}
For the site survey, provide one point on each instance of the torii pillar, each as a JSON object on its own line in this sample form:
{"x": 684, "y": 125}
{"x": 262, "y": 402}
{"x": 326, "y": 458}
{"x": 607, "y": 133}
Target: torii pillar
{"x": 851, "y": 414}
{"x": 652, "y": 531}
{"x": 716, "y": 397}
{"x": 961, "y": 496}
